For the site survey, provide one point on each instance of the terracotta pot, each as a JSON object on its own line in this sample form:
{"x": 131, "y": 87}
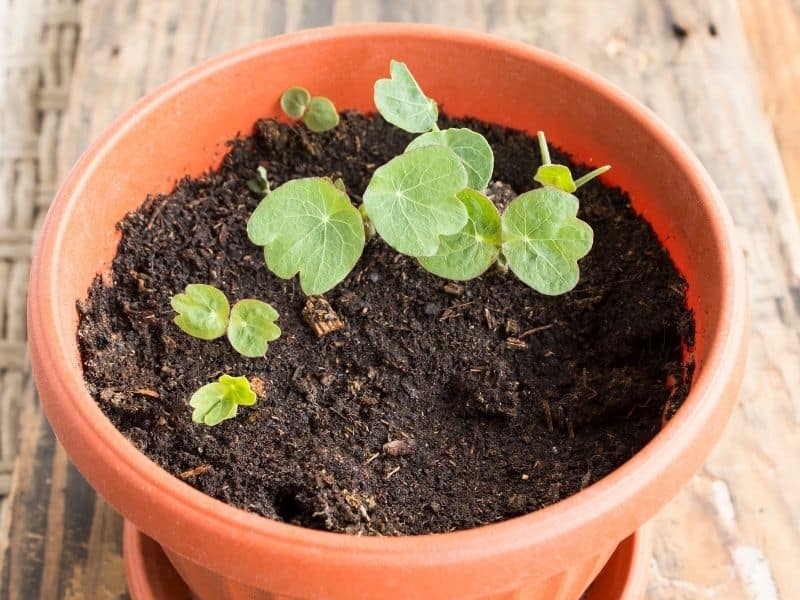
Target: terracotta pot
{"x": 223, "y": 552}
{"x": 151, "y": 576}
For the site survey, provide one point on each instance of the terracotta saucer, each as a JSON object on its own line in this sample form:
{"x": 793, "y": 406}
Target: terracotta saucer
{"x": 151, "y": 576}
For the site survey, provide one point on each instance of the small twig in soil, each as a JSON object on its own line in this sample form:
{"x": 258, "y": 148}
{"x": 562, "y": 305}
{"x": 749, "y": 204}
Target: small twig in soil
{"x": 320, "y": 316}
{"x": 548, "y": 415}
{"x": 371, "y": 458}
{"x": 525, "y": 334}
{"x": 392, "y": 472}
{"x": 514, "y": 343}
{"x": 194, "y": 472}
{"x": 146, "y": 392}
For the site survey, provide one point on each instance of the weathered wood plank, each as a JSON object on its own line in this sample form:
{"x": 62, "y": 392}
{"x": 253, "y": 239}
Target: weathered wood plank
{"x": 733, "y": 531}
{"x": 773, "y": 29}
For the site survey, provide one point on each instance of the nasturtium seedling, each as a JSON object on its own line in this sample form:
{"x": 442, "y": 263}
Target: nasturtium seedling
{"x": 559, "y": 176}
{"x": 294, "y": 101}
{"x": 308, "y": 226}
{"x": 259, "y": 184}
{"x": 402, "y": 102}
{"x": 252, "y": 326}
{"x": 471, "y": 251}
{"x": 321, "y": 115}
{"x": 217, "y": 401}
{"x": 411, "y": 200}
{"x": 543, "y": 239}
{"x": 317, "y": 112}
{"x": 202, "y": 311}
{"x": 471, "y": 147}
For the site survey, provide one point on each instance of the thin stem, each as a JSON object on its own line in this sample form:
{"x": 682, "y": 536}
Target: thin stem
{"x": 435, "y": 127}
{"x": 543, "y": 148}
{"x": 591, "y": 175}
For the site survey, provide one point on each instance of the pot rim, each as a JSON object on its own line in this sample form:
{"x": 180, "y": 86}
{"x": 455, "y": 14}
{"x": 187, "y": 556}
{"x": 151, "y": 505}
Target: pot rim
{"x": 612, "y": 497}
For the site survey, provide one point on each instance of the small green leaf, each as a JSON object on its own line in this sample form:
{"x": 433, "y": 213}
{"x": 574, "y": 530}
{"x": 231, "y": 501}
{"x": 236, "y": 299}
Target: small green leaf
{"x": 260, "y": 184}
{"x": 557, "y": 176}
{"x": 308, "y": 226}
{"x": 321, "y": 115}
{"x": 202, "y": 311}
{"x": 252, "y": 326}
{"x": 294, "y": 101}
{"x": 217, "y": 401}
{"x": 472, "y": 250}
{"x": 401, "y": 101}
{"x": 543, "y": 239}
{"x": 411, "y": 200}
{"x": 471, "y": 147}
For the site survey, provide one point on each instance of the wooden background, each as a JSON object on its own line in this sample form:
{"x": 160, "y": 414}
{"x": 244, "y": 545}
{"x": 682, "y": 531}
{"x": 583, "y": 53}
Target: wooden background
{"x": 724, "y": 75}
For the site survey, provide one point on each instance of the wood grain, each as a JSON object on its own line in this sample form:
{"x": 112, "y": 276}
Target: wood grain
{"x": 773, "y": 29}
{"x": 734, "y": 531}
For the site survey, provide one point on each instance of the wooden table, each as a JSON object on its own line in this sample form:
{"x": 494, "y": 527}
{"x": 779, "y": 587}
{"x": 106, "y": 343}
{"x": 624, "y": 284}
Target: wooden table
{"x": 723, "y": 75}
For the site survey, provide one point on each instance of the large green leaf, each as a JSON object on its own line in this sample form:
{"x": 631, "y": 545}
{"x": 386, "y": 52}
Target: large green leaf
{"x": 202, "y": 311}
{"x": 401, "y": 101}
{"x": 471, "y": 147}
{"x": 411, "y": 200}
{"x": 252, "y": 326}
{"x": 308, "y": 226}
{"x": 472, "y": 250}
{"x": 543, "y": 239}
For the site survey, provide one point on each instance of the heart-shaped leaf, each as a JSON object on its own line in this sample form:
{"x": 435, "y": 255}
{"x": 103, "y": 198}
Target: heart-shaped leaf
{"x": 321, "y": 115}
{"x": 472, "y": 250}
{"x": 294, "y": 101}
{"x": 557, "y": 176}
{"x": 401, "y": 101}
{"x": 471, "y": 147}
{"x": 308, "y": 226}
{"x": 543, "y": 239}
{"x": 217, "y": 401}
{"x": 411, "y": 200}
{"x": 202, "y": 311}
{"x": 252, "y": 326}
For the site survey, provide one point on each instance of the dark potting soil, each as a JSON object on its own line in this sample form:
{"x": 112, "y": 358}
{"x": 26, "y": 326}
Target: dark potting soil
{"x": 439, "y": 406}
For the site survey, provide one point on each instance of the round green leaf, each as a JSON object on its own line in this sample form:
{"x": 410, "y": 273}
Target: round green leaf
{"x": 411, "y": 200}
{"x": 401, "y": 101}
{"x": 252, "y": 326}
{"x": 308, "y": 226}
{"x": 472, "y": 250}
{"x": 543, "y": 239}
{"x": 557, "y": 176}
{"x": 238, "y": 390}
{"x": 217, "y": 401}
{"x": 202, "y": 311}
{"x": 471, "y": 147}
{"x": 321, "y": 115}
{"x": 294, "y": 101}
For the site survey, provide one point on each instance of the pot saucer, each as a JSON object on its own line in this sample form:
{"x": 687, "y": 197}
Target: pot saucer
{"x": 151, "y": 576}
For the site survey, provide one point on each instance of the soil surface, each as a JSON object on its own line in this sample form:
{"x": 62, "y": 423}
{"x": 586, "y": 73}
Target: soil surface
{"x": 438, "y": 406}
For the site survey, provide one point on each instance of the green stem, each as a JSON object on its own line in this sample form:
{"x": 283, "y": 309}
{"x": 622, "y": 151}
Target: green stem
{"x": 543, "y": 148}
{"x": 435, "y": 127}
{"x": 591, "y": 175}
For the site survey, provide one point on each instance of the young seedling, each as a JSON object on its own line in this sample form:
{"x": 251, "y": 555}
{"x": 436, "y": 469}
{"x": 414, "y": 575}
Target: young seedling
{"x": 401, "y": 101}
{"x": 318, "y": 113}
{"x": 203, "y": 312}
{"x": 426, "y": 203}
{"x": 308, "y": 226}
{"x": 252, "y": 326}
{"x": 538, "y": 237}
{"x": 260, "y": 183}
{"x": 218, "y": 401}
